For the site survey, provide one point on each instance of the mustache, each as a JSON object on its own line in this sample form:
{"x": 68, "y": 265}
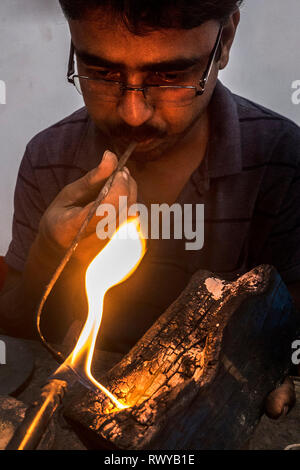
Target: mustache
{"x": 138, "y": 134}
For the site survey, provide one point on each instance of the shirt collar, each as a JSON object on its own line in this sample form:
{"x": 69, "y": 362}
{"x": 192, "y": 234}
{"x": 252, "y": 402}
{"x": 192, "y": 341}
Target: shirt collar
{"x": 223, "y": 156}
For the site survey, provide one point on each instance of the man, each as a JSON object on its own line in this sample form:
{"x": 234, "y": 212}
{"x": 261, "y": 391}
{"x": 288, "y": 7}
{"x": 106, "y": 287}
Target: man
{"x": 197, "y": 144}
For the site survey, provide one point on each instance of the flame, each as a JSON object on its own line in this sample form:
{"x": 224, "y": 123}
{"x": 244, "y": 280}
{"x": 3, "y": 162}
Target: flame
{"x": 113, "y": 265}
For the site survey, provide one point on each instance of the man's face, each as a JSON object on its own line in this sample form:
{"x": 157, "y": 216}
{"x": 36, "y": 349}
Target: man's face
{"x": 106, "y": 49}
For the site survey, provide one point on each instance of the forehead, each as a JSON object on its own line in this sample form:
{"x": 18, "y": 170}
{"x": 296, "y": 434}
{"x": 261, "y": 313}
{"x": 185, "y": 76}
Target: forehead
{"x": 111, "y": 40}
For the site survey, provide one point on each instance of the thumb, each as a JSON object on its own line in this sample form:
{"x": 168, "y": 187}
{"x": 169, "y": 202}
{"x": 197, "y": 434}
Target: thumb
{"x": 86, "y": 189}
{"x": 281, "y": 400}
{"x": 105, "y": 168}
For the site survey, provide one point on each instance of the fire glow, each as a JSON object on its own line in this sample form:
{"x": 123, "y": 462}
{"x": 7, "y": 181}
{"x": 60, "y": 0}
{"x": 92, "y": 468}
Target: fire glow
{"x": 113, "y": 265}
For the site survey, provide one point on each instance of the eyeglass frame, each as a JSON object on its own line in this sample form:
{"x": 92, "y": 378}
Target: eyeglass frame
{"x": 123, "y": 87}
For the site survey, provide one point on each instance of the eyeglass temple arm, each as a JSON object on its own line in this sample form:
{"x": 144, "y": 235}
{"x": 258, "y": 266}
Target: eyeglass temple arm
{"x": 71, "y": 64}
{"x": 210, "y": 64}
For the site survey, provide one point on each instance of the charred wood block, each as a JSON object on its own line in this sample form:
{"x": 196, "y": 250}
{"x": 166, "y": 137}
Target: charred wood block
{"x": 199, "y": 377}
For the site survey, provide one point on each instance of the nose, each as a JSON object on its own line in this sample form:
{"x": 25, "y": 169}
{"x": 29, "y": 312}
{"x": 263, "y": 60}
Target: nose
{"x": 134, "y": 109}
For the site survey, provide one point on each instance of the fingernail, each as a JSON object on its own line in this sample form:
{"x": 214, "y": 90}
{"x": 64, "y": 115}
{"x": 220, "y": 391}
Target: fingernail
{"x": 285, "y": 410}
{"x": 125, "y": 174}
{"x": 126, "y": 170}
{"x": 107, "y": 155}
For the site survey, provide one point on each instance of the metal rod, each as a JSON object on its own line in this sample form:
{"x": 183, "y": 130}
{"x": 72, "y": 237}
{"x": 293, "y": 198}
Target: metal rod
{"x": 103, "y": 193}
{"x": 37, "y": 417}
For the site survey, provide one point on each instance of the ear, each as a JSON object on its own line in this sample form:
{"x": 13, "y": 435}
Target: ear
{"x": 228, "y": 36}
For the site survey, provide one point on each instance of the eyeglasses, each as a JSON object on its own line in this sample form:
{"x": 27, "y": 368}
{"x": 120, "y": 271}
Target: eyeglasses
{"x": 111, "y": 91}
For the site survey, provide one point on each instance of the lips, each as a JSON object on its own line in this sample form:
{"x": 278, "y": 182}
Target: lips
{"x": 144, "y": 141}
{"x": 139, "y": 140}
{"x": 141, "y": 143}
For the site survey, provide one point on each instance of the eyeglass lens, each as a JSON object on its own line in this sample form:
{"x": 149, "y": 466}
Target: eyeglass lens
{"x": 111, "y": 92}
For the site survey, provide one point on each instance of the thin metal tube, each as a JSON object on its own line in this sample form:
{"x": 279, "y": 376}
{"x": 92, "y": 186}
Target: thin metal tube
{"x": 103, "y": 193}
{"x": 37, "y": 417}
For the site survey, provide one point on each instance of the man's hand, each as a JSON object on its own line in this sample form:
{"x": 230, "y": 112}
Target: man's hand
{"x": 281, "y": 400}
{"x": 65, "y": 215}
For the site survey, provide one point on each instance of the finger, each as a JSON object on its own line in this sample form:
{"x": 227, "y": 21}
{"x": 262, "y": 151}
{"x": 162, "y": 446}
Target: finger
{"x": 90, "y": 245}
{"x": 281, "y": 400}
{"x": 87, "y": 188}
{"x": 108, "y": 163}
{"x": 123, "y": 186}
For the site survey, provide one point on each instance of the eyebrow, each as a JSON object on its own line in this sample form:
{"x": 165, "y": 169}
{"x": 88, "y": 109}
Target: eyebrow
{"x": 176, "y": 64}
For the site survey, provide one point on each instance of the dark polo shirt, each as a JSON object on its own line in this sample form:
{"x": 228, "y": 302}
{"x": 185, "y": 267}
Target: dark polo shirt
{"x": 249, "y": 183}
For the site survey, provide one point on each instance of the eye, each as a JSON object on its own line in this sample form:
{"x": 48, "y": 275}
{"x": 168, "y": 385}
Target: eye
{"x": 105, "y": 74}
{"x": 168, "y": 76}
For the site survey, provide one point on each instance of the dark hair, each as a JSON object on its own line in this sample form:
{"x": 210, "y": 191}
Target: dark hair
{"x": 141, "y": 16}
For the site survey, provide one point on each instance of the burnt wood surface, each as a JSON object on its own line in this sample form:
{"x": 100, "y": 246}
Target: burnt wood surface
{"x": 199, "y": 377}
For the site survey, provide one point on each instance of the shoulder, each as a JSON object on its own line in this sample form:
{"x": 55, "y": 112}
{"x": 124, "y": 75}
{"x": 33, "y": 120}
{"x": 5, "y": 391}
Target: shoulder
{"x": 59, "y": 142}
{"x": 267, "y": 135}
